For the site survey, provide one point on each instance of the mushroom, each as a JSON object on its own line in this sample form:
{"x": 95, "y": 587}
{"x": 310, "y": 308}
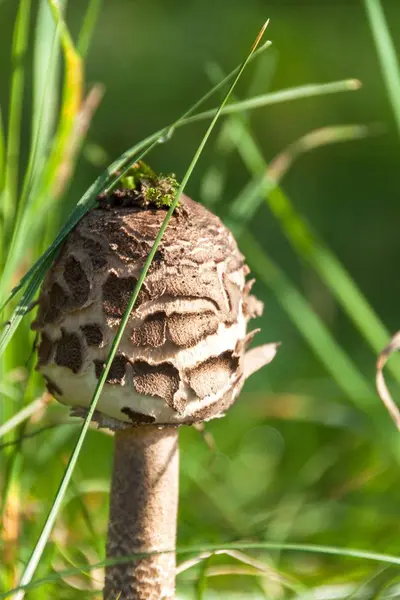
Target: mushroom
{"x": 182, "y": 358}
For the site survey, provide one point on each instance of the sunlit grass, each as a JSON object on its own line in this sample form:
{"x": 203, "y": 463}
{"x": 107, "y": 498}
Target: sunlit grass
{"x": 305, "y": 462}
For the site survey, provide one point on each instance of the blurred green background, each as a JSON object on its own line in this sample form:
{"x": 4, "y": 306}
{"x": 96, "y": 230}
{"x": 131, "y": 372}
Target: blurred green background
{"x": 305, "y": 455}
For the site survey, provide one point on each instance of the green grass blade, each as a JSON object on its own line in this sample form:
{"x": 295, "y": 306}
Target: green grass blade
{"x": 242, "y": 209}
{"x": 2, "y": 158}
{"x": 106, "y": 181}
{"x": 88, "y": 25}
{"x": 248, "y": 201}
{"x": 43, "y": 117}
{"x": 34, "y": 195}
{"x": 87, "y": 202}
{"x": 72, "y": 97}
{"x": 108, "y": 178}
{"x": 2, "y": 174}
{"x": 323, "y": 136}
{"x": 355, "y": 553}
{"x": 45, "y": 92}
{"x": 44, "y": 536}
{"x": 308, "y": 245}
{"x": 70, "y": 108}
{"x": 309, "y": 324}
{"x": 20, "y": 43}
{"x": 23, "y": 305}
{"x": 286, "y": 95}
{"x": 387, "y": 54}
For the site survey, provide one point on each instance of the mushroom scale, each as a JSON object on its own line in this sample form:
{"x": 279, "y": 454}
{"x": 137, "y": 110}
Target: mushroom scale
{"x": 181, "y": 358}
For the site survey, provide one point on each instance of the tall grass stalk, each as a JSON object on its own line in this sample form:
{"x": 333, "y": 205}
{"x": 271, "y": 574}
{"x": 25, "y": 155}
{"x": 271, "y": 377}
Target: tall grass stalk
{"x": 46, "y": 531}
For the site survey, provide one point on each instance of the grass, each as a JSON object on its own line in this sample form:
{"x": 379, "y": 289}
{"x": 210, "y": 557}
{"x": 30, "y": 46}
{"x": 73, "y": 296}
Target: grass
{"x": 292, "y": 470}
{"x": 386, "y": 53}
{"x": 49, "y": 524}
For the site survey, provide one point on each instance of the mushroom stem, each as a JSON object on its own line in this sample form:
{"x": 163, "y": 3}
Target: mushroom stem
{"x": 143, "y": 514}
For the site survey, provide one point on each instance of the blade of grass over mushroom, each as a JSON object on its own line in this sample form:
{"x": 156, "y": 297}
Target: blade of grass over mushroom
{"x": 108, "y": 179}
{"x": 44, "y": 536}
{"x": 142, "y": 148}
{"x": 105, "y": 182}
{"x": 387, "y": 54}
{"x": 355, "y": 553}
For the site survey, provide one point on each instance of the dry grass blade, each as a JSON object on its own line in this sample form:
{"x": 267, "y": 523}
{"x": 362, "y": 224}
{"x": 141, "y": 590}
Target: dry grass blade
{"x": 253, "y": 567}
{"x": 192, "y": 562}
{"x": 381, "y": 386}
{"x": 83, "y": 120}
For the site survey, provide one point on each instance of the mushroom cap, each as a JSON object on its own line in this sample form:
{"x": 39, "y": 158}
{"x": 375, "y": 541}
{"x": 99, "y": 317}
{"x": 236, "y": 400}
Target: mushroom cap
{"x": 181, "y": 357}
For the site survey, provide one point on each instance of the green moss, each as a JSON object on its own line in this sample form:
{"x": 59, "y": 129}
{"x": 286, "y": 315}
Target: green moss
{"x": 163, "y": 193}
{"x": 152, "y": 189}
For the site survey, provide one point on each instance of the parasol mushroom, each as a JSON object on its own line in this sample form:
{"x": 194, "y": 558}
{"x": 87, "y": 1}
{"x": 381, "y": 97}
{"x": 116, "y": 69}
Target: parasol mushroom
{"x": 182, "y": 358}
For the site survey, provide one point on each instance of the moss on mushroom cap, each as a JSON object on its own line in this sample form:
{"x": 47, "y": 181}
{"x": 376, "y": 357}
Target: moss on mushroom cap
{"x": 141, "y": 186}
{"x": 181, "y": 358}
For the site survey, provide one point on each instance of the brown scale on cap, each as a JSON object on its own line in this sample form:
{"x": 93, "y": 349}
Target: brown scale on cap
{"x": 77, "y": 282}
{"x": 93, "y": 334}
{"x": 213, "y": 375}
{"x": 116, "y": 374}
{"x": 69, "y": 351}
{"x": 160, "y": 380}
{"x": 116, "y": 293}
{"x": 95, "y": 252}
{"x": 187, "y": 329}
{"x": 151, "y": 332}
{"x": 182, "y": 329}
{"x": 137, "y": 418}
{"x": 191, "y": 314}
{"x": 45, "y": 350}
{"x": 51, "y": 305}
